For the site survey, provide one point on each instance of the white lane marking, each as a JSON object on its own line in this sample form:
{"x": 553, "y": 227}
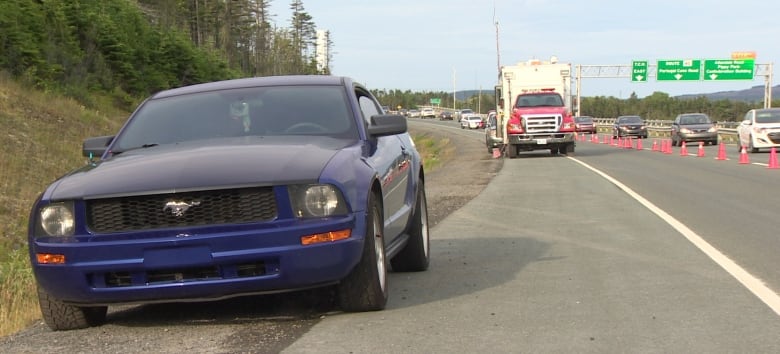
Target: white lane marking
{"x": 755, "y": 285}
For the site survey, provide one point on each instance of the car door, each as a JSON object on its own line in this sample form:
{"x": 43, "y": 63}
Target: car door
{"x": 393, "y": 163}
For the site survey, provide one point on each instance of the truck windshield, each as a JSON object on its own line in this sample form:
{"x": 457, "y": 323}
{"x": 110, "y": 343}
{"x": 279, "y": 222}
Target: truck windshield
{"x": 540, "y": 100}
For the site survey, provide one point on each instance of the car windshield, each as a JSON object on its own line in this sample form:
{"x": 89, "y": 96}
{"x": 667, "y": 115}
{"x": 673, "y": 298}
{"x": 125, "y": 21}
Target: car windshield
{"x": 694, "y": 119}
{"x": 583, "y": 119}
{"x": 770, "y": 116}
{"x": 256, "y": 111}
{"x": 466, "y": 111}
{"x": 540, "y": 100}
{"x": 630, "y": 120}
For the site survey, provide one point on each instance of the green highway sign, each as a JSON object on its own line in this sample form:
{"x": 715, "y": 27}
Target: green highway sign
{"x": 728, "y": 69}
{"x": 639, "y": 71}
{"x": 679, "y": 70}
{"x": 436, "y": 101}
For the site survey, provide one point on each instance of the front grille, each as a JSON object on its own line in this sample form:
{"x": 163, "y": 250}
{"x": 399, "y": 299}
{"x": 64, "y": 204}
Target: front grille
{"x": 775, "y": 137}
{"x": 541, "y": 123}
{"x": 211, "y": 207}
{"x": 121, "y": 279}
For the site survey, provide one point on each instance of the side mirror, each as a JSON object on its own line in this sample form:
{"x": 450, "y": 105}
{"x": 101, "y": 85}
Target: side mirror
{"x": 746, "y": 122}
{"x": 387, "y": 124}
{"x": 95, "y": 147}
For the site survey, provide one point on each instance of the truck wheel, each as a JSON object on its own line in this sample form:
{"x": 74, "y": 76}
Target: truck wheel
{"x": 365, "y": 288}
{"x": 567, "y": 150}
{"x": 415, "y": 256}
{"x": 511, "y": 151}
{"x": 60, "y": 316}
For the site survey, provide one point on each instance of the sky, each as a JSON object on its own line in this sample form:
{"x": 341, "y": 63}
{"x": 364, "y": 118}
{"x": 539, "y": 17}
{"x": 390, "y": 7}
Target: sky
{"x": 454, "y": 45}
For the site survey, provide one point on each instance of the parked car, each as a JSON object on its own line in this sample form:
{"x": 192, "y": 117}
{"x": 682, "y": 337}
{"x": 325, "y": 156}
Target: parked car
{"x": 492, "y": 140}
{"x": 174, "y": 207}
{"x": 472, "y": 121}
{"x": 585, "y": 124}
{"x": 459, "y": 114}
{"x": 693, "y": 127}
{"x": 760, "y": 129}
{"x": 413, "y": 113}
{"x": 629, "y": 126}
{"x": 446, "y": 115}
{"x": 427, "y": 113}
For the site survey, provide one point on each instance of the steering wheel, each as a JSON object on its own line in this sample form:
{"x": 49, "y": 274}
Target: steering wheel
{"x": 306, "y": 127}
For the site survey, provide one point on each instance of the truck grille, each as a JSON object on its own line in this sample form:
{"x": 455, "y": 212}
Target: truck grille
{"x": 541, "y": 123}
{"x": 181, "y": 209}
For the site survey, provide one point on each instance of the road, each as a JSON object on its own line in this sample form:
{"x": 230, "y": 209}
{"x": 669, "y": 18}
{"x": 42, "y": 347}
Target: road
{"x": 588, "y": 254}
{"x": 553, "y": 257}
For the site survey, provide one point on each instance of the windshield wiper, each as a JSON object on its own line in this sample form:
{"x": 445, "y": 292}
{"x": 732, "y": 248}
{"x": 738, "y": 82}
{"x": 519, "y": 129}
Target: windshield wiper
{"x": 144, "y": 146}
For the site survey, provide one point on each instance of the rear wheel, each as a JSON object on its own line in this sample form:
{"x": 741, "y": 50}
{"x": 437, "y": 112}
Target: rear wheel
{"x": 365, "y": 288}
{"x": 415, "y": 256}
{"x": 60, "y": 316}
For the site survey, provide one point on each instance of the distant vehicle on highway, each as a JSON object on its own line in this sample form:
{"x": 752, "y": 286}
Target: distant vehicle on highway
{"x": 690, "y": 127}
{"x": 471, "y": 121}
{"x": 585, "y": 124}
{"x": 629, "y": 126}
{"x": 462, "y": 113}
{"x": 760, "y": 129}
{"x": 491, "y": 127}
{"x": 413, "y": 113}
{"x": 427, "y": 113}
{"x": 446, "y": 115}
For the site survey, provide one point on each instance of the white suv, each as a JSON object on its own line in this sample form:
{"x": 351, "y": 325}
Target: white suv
{"x": 427, "y": 113}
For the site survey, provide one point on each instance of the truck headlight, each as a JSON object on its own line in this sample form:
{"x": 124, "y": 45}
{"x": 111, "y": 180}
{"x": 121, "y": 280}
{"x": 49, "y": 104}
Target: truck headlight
{"x": 317, "y": 201}
{"x": 56, "y": 219}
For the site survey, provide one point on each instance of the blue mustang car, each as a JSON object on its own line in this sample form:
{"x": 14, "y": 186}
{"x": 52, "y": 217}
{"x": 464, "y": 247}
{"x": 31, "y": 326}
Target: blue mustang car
{"x": 232, "y": 188}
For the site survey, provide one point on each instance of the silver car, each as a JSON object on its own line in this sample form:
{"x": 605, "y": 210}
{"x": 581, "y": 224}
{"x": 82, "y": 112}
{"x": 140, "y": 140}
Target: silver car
{"x": 689, "y": 127}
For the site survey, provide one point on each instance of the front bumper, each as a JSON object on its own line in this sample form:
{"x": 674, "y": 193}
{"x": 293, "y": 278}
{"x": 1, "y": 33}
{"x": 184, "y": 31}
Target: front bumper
{"x": 540, "y": 141}
{"x": 199, "y": 264}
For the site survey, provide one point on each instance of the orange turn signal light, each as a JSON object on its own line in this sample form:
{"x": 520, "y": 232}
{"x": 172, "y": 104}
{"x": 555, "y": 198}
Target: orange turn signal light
{"x": 48, "y": 258}
{"x": 326, "y": 237}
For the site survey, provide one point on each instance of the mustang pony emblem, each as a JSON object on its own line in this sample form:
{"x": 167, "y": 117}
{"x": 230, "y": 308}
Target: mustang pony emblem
{"x": 178, "y": 208}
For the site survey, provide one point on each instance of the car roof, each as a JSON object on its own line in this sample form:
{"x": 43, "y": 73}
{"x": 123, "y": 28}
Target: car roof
{"x": 293, "y": 80}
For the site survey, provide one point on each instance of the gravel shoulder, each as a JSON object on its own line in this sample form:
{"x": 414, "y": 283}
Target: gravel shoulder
{"x": 259, "y": 324}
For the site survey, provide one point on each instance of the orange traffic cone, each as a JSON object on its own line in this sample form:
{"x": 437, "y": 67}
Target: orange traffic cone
{"x": 721, "y": 152}
{"x": 700, "y": 153}
{"x": 629, "y": 143}
{"x": 683, "y": 150}
{"x": 743, "y": 157}
{"x": 772, "y": 159}
{"x": 667, "y": 147}
{"x": 655, "y": 145}
{"x": 639, "y": 144}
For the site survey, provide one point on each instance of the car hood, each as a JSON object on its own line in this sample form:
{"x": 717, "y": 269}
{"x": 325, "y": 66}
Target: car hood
{"x": 227, "y": 163}
{"x": 697, "y": 126}
{"x": 541, "y": 110}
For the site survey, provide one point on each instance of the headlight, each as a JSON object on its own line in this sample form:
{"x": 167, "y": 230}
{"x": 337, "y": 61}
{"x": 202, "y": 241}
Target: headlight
{"x": 316, "y": 201}
{"x": 685, "y": 131}
{"x": 57, "y": 219}
{"x": 712, "y": 130}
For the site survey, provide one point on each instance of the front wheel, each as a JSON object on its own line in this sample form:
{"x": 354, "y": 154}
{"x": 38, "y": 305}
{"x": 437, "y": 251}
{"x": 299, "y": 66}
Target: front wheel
{"x": 365, "y": 288}
{"x": 415, "y": 256}
{"x": 60, "y": 316}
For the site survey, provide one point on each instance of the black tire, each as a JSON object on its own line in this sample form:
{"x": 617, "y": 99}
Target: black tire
{"x": 511, "y": 151}
{"x": 415, "y": 256}
{"x": 60, "y": 316}
{"x": 365, "y": 288}
{"x": 714, "y": 142}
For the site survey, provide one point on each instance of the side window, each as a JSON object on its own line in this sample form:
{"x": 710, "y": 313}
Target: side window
{"x": 368, "y": 107}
